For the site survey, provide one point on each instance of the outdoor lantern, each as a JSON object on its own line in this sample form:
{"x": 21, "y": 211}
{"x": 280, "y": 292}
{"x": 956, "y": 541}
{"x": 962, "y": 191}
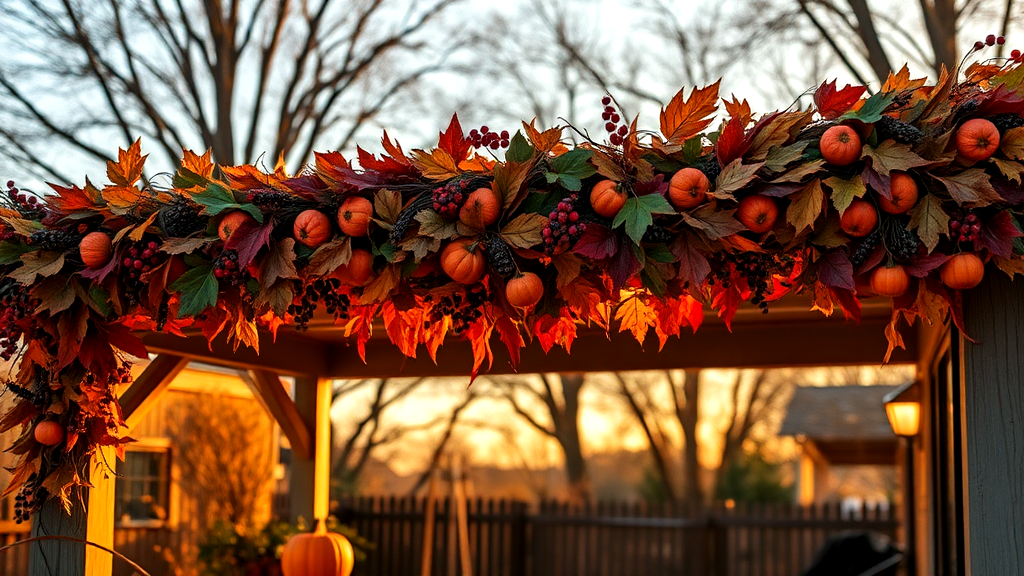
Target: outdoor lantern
{"x": 903, "y": 407}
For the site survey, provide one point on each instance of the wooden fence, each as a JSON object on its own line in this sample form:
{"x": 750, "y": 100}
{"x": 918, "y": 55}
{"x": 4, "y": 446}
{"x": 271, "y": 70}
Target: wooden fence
{"x": 607, "y": 539}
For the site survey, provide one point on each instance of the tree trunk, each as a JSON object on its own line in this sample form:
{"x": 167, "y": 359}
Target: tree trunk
{"x": 869, "y": 36}
{"x": 567, "y": 431}
{"x": 688, "y": 416}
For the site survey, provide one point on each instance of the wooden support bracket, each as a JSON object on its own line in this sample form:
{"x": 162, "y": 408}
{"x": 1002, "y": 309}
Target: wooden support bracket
{"x": 275, "y": 396}
{"x": 140, "y": 397}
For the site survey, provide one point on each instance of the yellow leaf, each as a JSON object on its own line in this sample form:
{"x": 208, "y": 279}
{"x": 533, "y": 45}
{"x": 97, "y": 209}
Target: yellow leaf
{"x": 437, "y": 164}
{"x": 684, "y": 118}
{"x": 128, "y": 168}
{"x": 545, "y": 141}
{"x": 122, "y": 198}
{"x": 201, "y": 165}
{"x": 901, "y": 81}
{"x": 139, "y": 230}
{"x": 1012, "y": 143}
{"x": 635, "y": 315}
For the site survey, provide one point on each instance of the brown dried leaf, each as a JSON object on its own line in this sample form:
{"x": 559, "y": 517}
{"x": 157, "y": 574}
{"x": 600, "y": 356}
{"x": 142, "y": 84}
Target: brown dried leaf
{"x": 330, "y": 257}
{"x": 41, "y": 263}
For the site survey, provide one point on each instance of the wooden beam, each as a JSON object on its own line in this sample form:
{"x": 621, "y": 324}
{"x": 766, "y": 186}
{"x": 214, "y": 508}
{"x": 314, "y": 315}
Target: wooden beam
{"x": 272, "y": 390}
{"x": 142, "y": 395}
{"x": 309, "y": 484}
{"x": 289, "y": 355}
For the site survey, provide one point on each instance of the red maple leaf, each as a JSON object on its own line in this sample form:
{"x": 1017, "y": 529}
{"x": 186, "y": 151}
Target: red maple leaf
{"x": 832, "y": 103}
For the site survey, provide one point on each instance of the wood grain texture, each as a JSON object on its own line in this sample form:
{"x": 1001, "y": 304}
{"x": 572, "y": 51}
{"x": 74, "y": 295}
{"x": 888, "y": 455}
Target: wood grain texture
{"x": 275, "y": 397}
{"x": 994, "y": 406}
{"x": 143, "y": 394}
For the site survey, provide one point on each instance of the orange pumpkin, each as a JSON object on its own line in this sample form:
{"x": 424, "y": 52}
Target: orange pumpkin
{"x": 688, "y": 188}
{"x": 95, "y": 249}
{"x": 524, "y": 290}
{"x": 320, "y": 553}
{"x": 840, "y": 145}
{"x": 49, "y": 433}
{"x": 354, "y": 216}
{"x": 977, "y": 139}
{"x": 312, "y": 228}
{"x": 606, "y": 198}
{"x": 463, "y": 261}
{"x": 758, "y": 213}
{"x": 859, "y": 219}
{"x": 890, "y": 281}
{"x": 903, "y": 189}
{"x": 358, "y": 270}
{"x": 482, "y": 208}
{"x": 962, "y": 271}
{"x": 231, "y": 221}
{"x": 426, "y": 267}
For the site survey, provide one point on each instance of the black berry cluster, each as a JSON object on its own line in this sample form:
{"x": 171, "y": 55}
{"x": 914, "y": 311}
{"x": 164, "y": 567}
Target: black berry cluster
{"x": 990, "y": 40}
{"x": 227, "y": 270}
{"x": 408, "y": 216}
{"x": 866, "y": 247}
{"x": 564, "y": 227}
{"x": 140, "y": 258}
{"x": 39, "y": 396}
{"x": 656, "y": 234}
{"x": 448, "y": 199}
{"x": 463, "y": 308}
{"x": 964, "y": 226}
{"x": 484, "y": 138}
{"x": 17, "y": 307}
{"x": 890, "y": 128}
{"x": 324, "y": 291}
{"x": 182, "y": 218}
{"x": 499, "y": 256}
{"x": 269, "y": 200}
{"x": 902, "y": 244}
{"x": 1004, "y": 122}
{"x": 617, "y": 132}
{"x": 711, "y": 168}
{"x": 30, "y": 498}
{"x": 758, "y": 269}
{"x": 57, "y": 240}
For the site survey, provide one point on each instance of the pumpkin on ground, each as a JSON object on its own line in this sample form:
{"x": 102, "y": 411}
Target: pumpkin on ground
{"x": 903, "y": 190}
{"x": 890, "y": 281}
{"x": 688, "y": 188}
{"x": 482, "y": 208}
{"x": 320, "y": 553}
{"x": 758, "y": 213}
{"x": 607, "y": 198}
{"x": 463, "y": 261}
{"x": 963, "y": 271}
{"x": 524, "y": 290}
{"x": 231, "y": 222}
{"x": 840, "y": 145}
{"x": 96, "y": 249}
{"x": 859, "y": 219}
{"x": 977, "y": 139}
{"x": 312, "y": 228}
{"x": 354, "y": 216}
{"x": 49, "y": 433}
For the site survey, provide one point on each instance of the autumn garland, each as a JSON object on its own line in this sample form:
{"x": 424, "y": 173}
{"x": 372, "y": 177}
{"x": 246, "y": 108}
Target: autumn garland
{"x": 904, "y": 193}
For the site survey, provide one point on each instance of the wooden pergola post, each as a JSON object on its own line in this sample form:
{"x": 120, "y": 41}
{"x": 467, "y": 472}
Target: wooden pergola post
{"x": 309, "y": 485}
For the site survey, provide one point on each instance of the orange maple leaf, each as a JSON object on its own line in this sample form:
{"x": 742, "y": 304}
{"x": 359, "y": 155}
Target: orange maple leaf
{"x": 196, "y": 164}
{"x": 128, "y": 168}
{"x": 545, "y": 141}
{"x": 901, "y": 81}
{"x": 738, "y": 109}
{"x": 636, "y": 315}
{"x": 684, "y": 118}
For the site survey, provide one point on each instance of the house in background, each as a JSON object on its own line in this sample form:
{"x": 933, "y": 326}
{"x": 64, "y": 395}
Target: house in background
{"x": 164, "y": 502}
{"x": 842, "y": 429}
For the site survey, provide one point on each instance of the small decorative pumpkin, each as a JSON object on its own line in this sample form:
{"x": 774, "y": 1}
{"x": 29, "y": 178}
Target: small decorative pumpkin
{"x": 903, "y": 190}
{"x": 607, "y": 199}
{"x": 354, "y": 216}
{"x": 859, "y": 219}
{"x": 890, "y": 281}
{"x": 312, "y": 228}
{"x": 482, "y": 208}
{"x": 320, "y": 553}
{"x": 524, "y": 290}
{"x": 977, "y": 139}
{"x": 688, "y": 188}
{"x": 95, "y": 249}
{"x": 231, "y": 222}
{"x": 962, "y": 271}
{"x": 840, "y": 145}
{"x": 358, "y": 270}
{"x": 426, "y": 267}
{"x": 758, "y": 213}
{"x": 463, "y": 261}
{"x": 49, "y": 433}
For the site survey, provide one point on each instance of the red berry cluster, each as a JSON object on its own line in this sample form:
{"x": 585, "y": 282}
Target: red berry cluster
{"x": 611, "y": 117}
{"x": 964, "y": 228}
{"x": 564, "y": 227}
{"x": 990, "y": 40}
{"x": 484, "y": 138}
{"x": 140, "y": 258}
{"x": 28, "y": 206}
{"x": 448, "y": 199}
{"x": 16, "y": 305}
{"x": 1016, "y": 55}
{"x": 227, "y": 270}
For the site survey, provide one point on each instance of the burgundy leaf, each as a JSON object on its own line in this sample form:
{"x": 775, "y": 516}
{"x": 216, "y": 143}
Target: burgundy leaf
{"x": 848, "y": 301}
{"x": 693, "y": 265}
{"x": 997, "y": 234}
{"x": 920, "y": 267}
{"x": 875, "y": 181}
{"x": 1012, "y": 192}
{"x": 780, "y": 190}
{"x": 598, "y": 242}
{"x": 836, "y": 271}
{"x": 248, "y": 239}
{"x": 623, "y": 266}
{"x": 656, "y": 186}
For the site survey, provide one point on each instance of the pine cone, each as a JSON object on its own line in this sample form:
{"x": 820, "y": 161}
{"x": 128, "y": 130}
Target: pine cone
{"x": 711, "y": 169}
{"x": 499, "y": 256}
{"x": 866, "y": 247}
{"x": 270, "y": 200}
{"x": 182, "y": 218}
{"x": 57, "y": 240}
{"x": 890, "y": 128}
{"x": 901, "y": 243}
{"x": 408, "y": 216}
{"x": 1006, "y": 122}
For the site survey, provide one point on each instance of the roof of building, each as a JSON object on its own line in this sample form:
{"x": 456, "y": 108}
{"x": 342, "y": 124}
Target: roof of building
{"x": 838, "y": 413}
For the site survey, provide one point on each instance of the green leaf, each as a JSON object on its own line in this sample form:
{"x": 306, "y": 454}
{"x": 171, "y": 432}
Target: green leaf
{"x": 930, "y": 220}
{"x": 571, "y": 168}
{"x": 10, "y": 252}
{"x": 186, "y": 178}
{"x": 570, "y": 182}
{"x": 692, "y": 149}
{"x": 781, "y": 156}
{"x": 657, "y": 204}
{"x": 216, "y": 199}
{"x": 872, "y": 109}
{"x": 844, "y": 191}
{"x": 660, "y": 253}
{"x": 806, "y": 206}
{"x": 637, "y": 214}
{"x": 198, "y": 288}
{"x": 519, "y": 150}
{"x": 662, "y": 163}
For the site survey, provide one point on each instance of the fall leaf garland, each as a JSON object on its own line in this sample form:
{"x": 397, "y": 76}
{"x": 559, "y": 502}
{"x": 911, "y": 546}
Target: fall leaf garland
{"x": 220, "y": 250}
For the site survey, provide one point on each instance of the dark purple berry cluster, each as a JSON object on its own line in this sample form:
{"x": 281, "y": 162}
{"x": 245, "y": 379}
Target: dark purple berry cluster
{"x": 17, "y": 307}
{"x": 612, "y": 118}
{"x": 30, "y": 498}
{"x": 564, "y": 227}
{"x": 269, "y": 200}
{"x": 463, "y": 308}
{"x": 964, "y": 227}
{"x": 448, "y": 199}
{"x": 324, "y": 291}
{"x": 227, "y": 270}
{"x": 484, "y": 138}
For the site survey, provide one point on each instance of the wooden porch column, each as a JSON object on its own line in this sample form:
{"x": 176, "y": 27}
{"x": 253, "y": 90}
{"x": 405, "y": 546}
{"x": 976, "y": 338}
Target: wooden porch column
{"x": 994, "y": 436}
{"x": 309, "y": 485}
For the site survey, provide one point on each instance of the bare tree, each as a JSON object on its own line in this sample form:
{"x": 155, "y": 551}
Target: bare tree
{"x": 217, "y": 444}
{"x": 240, "y": 77}
{"x": 550, "y": 404}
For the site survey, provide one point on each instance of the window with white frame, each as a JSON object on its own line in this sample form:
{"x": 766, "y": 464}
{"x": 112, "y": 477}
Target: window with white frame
{"x": 142, "y": 491}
